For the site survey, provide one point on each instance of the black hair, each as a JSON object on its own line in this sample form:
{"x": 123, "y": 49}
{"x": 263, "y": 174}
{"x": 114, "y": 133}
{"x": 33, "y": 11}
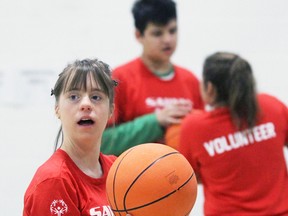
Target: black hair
{"x": 158, "y": 12}
{"x": 75, "y": 75}
{"x": 232, "y": 77}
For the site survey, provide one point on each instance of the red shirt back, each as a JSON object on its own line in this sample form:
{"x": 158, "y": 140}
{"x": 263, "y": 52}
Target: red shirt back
{"x": 243, "y": 172}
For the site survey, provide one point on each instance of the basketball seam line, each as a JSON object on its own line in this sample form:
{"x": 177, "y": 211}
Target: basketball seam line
{"x": 167, "y": 195}
{"x": 124, "y": 204}
{"x": 114, "y": 180}
{"x": 143, "y": 171}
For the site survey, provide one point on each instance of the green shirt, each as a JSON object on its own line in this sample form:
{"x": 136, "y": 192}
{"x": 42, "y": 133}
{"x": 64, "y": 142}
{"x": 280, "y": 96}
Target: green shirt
{"x": 141, "y": 130}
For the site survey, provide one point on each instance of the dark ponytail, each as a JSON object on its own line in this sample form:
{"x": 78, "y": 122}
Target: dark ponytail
{"x": 232, "y": 76}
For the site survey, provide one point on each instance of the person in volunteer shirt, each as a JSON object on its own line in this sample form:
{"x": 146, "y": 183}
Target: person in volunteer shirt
{"x": 73, "y": 180}
{"x": 153, "y": 92}
{"x": 236, "y": 147}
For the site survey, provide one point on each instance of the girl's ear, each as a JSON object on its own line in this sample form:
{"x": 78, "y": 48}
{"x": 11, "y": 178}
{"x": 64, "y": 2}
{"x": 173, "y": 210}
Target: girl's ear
{"x": 211, "y": 92}
{"x": 57, "y": 111}
{"x": 208, "y": 92}
{"x": 112, "y": 110}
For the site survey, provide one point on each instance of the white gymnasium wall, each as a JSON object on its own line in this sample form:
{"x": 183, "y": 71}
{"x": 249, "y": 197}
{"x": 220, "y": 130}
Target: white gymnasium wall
{"x": 38, "y": 38}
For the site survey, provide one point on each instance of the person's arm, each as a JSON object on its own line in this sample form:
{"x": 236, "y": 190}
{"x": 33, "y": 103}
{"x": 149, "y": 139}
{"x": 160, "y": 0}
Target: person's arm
{"x": 143, "y": 129}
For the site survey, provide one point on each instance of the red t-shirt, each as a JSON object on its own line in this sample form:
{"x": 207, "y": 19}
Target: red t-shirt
{"x": 141, "y": 92}
{"x": 59, "y": 187}
{"x": 243, "y": 172}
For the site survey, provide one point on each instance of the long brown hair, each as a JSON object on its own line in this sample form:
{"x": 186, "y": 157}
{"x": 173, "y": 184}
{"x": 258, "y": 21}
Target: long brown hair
{"x": 232, "y": 76}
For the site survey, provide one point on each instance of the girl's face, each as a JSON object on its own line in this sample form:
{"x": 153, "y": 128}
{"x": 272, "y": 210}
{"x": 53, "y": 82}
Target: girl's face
{"x": 83, "y": 114}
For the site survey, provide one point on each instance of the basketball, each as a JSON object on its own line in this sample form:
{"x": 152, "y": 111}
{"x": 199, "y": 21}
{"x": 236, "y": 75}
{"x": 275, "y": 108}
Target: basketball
{"x": 172, "y": 136}
{"x": 151, "y": 179}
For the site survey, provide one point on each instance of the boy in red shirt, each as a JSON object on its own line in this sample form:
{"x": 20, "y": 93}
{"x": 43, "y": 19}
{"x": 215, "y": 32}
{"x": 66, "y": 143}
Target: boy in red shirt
{"x": 153, "y": 92}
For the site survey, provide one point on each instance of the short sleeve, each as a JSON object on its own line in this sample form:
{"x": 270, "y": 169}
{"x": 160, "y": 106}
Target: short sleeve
{"x": 51, "y": 197}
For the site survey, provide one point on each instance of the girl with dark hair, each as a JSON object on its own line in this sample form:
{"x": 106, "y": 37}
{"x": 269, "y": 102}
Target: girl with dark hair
{"x": 73, "y": 180}
{"x": 236, "y": 146}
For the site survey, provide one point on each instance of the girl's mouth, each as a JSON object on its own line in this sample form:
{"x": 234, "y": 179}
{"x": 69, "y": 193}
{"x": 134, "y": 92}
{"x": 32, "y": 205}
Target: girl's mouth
{"x": 85, "y": 122}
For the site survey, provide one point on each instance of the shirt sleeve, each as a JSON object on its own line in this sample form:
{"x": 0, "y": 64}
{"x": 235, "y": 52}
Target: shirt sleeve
{"x": 286, "y": 117}
{"x": 52, "y": 197}
{"x": 143, "y": 129}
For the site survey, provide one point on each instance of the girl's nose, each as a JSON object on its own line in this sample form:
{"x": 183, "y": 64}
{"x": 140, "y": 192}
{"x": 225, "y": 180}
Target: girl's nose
{"x": 86, "y": 104}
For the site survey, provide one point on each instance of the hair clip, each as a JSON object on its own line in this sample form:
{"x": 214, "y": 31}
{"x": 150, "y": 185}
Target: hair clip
{"x": 52, "y": 92}
{"x": 115, "y": 83}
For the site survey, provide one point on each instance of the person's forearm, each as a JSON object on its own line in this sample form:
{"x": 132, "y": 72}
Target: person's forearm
{"x": 143, "y": 129}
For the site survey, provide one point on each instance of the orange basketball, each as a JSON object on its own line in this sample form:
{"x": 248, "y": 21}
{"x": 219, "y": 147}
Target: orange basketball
{"x": 172, "y": 136}
{"x": 151, "y": 179}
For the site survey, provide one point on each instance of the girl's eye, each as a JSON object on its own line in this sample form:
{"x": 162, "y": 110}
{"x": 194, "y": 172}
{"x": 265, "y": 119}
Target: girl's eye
{"x": 96, "y": 97}
{"x": 74, "y": 97}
